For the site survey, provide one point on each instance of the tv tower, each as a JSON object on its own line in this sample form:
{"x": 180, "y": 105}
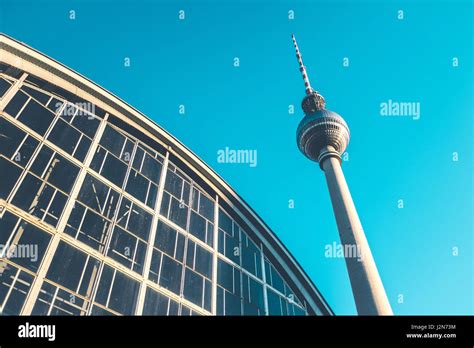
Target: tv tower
{"x": 323, "y": 136}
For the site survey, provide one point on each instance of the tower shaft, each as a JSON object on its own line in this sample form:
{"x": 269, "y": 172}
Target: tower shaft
{"x": 369, "y": 293}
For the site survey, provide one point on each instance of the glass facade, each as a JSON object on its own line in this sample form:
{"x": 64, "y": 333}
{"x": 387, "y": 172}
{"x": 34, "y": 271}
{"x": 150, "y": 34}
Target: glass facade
{"x": 97, "y": 221}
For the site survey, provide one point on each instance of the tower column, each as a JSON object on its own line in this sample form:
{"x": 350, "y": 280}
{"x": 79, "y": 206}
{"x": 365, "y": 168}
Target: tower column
{"x": 369, "y": 293}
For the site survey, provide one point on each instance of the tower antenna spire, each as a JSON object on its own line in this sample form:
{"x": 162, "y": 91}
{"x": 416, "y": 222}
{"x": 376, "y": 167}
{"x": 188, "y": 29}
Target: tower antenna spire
{"x": 309, "y": 89}
{"x": 313, "y": 101}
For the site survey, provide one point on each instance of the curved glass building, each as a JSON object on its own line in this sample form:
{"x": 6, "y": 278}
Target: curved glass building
{"x": 102, "y": 212}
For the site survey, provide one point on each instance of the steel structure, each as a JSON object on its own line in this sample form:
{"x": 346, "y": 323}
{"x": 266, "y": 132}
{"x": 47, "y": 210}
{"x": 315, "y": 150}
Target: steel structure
{"x": 114, "y": 215}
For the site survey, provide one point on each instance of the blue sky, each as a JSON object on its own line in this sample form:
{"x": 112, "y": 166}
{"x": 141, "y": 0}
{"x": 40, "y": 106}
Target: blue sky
{"x": 190, "y": 62}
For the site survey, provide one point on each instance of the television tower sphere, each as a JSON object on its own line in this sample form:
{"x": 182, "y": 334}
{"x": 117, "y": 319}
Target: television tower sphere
{"x": 321, "y": 129}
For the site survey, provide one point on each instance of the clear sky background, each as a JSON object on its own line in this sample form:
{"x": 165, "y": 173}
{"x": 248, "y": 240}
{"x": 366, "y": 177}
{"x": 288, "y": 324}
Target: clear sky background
{"x": 190, "y": 62}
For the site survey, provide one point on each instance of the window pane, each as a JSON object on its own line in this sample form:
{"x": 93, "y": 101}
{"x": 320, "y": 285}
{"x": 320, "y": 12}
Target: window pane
{"x": 86, "y": 124}
{"x": 31, "y": 244}
{"x": 158, "y": 304}
{"x": 185, "y": 311}
{"x": 104, "y": 286}
{"x": 229, "y": 245}
{"x": 170, "y": 241}
{"x": 193, "y": 287}
{"x": 197, "y": 226}
{"x": 54, "y": 105}
{"x": 134, "y": 219}
{"x": 123, "y": 297}
{"x": 37, "y": 117}
{"x": 65, "y": 136}
{"x": 98, "y": 196}
{"x": 225, "y": 222}
{"x": 55, "y": 169}
{"x": 206, "y": 207}
{"x": 253, "y": 296}
{"x": 4, "y": 87}
{"x": 10, "y": 175}
{"x": 127, "y": 249}
{"x": 201, "y": 228}
{"x": 40, "y": 199}
{"x": 24, "y": 154}
{"x": 251, "y": 256}
{"x": 233, "y": 304}
{"x": 228, "y": 277}
{"x": 155, "y": 265}
{"x": 112, "y": 140}
{"x": 68, "y": 268}
{"x": 202, "y": 204}
{"x": 165, "y": 238}
{"x": 7, "y": 223}
{"x": 151, "y": 168}
{"x": 141, "y": 188}
{"x": 177, "y": 187}
{"x": 96, "y": 310}
{"x": 16, "y": 103}
{"x": 113, "y": 169}
{"x": 170, "y": 277}
{"x": 62, "y": 173}
{"x": 274, "y": 303}
{"x": 89, "y": 277}
{"x": 203, "y": 262}
{"x": 220, "y": 310}
{"x": 277, "y": 280}
{"x": 42, "y": 160}
{"x": 174, "y": 184}
{"x": 82, "y": 149}
{"x": 10, "y": 138}
{"x": 88, "y": 227}
{"x": 39, "y": 96}
{"x": 178, "y": 213}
